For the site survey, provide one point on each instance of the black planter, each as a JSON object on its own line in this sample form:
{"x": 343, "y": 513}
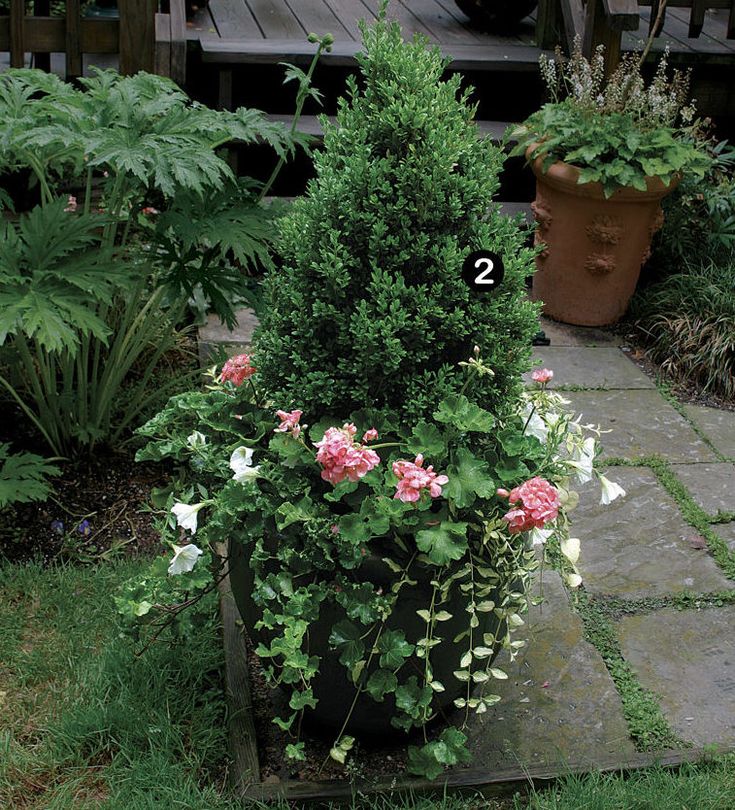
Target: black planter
{"x": 331, "y": 686}
{"x": 496, "y": 15}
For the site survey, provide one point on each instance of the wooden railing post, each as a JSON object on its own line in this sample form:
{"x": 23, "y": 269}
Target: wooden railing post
{"x": 73, "y": 44}
{"x": 597, "y": 31}
{"x": 548, "y": 23}
{"x": 42, "y": 61}
{"x": 137, "y": 35}
{"x": 17, "y": 24}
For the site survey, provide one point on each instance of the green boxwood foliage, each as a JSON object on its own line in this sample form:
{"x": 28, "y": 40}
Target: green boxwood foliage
{"x": 369, "y": 308}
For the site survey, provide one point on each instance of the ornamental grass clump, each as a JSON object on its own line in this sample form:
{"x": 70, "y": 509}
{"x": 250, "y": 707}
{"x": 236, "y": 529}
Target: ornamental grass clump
{"x": 379, "y": 474}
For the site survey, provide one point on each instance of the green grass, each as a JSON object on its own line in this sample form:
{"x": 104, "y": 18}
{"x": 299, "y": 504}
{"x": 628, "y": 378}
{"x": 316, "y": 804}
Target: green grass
{"x": 83, "y": 724}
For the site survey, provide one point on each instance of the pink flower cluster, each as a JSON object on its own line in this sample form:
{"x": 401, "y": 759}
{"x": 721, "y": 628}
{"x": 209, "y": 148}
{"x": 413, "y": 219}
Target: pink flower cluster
{"x": 542, "y": 375}
{"x": 237, "y": 369}
{"x": 342, "y": 457}
{"x": 289, "y": 422}
{"x": 536, "y": 503}
{"x": 413, "y": 479}
{"x": 71, "y": 204}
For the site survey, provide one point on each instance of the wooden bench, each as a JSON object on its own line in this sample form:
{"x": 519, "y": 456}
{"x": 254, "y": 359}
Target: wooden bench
{"x": 144, "y": 38}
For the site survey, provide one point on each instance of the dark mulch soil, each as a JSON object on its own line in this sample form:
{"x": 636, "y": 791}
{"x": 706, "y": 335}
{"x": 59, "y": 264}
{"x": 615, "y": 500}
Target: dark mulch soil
{"x": 366, "y": 761}
{"x": 109, "y": 492}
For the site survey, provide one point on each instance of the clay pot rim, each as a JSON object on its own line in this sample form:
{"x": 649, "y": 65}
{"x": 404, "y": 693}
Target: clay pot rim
{"x": 564, "y": 176}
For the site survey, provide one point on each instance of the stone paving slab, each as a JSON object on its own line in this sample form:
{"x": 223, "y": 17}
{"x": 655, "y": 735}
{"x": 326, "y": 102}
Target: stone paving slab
{"x": 727, "y": 533}
{"x": 639, "y": 546}
{"x": 589, "y": 368}
{"x": 564, "y": 334}
{"x": 688, "y": 659}
{"x": 711, "y": 485}
{"x": 717, "y": 425}
{"x": 642, "y": 423}
{"x": 215, "y": 335}
{"x": 559, "y": 704}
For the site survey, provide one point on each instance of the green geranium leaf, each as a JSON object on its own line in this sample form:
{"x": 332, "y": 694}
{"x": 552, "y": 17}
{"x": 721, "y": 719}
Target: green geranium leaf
{"x": 291, "y": 452}
{"x": 354, "y": 529}
{"x": 288, "y": 513}
{"x": 345, "y": 636}
{"x": 445, "y": 542}
{"x": 431, "y": 759}
{"x": 468, "y": 479}
{"x": 458, "y": 411}
{"x": 340, "y": 490}
{"x": 394, "y": 649}
{"x": 428, "y": 440}
{"x": 380, "y": 683}
{"x": 359, "y": 601}
{"x": 412, "y": 699}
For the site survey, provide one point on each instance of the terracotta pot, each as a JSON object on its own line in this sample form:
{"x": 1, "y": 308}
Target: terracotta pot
{"x": 331, "y": 686}
{"x": 594, "y": 247}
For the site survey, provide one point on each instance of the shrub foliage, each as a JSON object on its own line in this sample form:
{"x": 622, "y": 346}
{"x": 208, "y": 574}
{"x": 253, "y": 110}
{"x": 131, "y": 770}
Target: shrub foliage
{"x": 369, "y": 308}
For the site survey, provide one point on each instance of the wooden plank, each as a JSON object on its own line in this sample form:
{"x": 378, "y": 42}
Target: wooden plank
{"x": 42, "y": 61}
{"x": 678, "y": 25}
{"x": 276, "y": 20}
{"x": 317, "y": 17}
{"x": 202, "y": 24}
{"x": 137, "y": 35}
{"x": 501, "y": 783}
{"x": 233, "y": 19}
{"x": 677, "y": 47}
{"x": 410, "y": 23}
{"x": 573, "y": 16}
{"x": 73, "y": 39}
{"x": 464, "y": 57}
{"x": 243, "y": 743}
{"x": 162, "y": 58}
{"x": 598, "y": 32}
{"x": 657, "y": 19}
{"x": 622, "y": 15}
{"x": 731, "y": 21}
{"x": 445, "y": 27}
{"x": 311, "y": 125}
{"x": 549, "y": 23}
{"x": 177, "y": 12}
{"x": 46, "y": 35}
{"x": 17, "y": 24}
{"x": 453, "y": 10}
{"x": 696, "y": 17}
{"x": 349, "y": 13}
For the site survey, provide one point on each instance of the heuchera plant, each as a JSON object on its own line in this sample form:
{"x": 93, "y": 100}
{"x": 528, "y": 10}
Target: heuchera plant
{"x": 380, "y": 425}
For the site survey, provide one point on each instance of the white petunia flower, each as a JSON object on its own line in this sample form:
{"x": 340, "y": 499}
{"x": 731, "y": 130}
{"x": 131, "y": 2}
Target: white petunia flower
{"x": 241, "y": 463}
{"x": 574, "y": 580}
{"x": 540, "y": 536}
{"x": 610, "y": 491}
{"x": 196, "y": 439}
{"x": 582, "y": 460}
{"x": 186, "y": 514}
{"x": 185, "y": 558}
{"x": 535, "y": 424}
{"x": 570, "y": 548}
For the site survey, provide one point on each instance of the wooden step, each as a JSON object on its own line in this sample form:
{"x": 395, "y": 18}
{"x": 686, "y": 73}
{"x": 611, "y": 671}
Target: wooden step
{"x": 311, "y": 125}
{"x": 505, "y": 57}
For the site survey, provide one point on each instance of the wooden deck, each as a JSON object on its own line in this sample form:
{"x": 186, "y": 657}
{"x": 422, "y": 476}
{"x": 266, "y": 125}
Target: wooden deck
{"x": 268, "y": 31}
{"x": 259, "y": 31}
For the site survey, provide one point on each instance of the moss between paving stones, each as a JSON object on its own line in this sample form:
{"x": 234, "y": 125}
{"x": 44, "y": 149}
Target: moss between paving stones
{"x": 665, "y": 390}
{"x": 694, "y": 515}
{"x": 646, "y": 722}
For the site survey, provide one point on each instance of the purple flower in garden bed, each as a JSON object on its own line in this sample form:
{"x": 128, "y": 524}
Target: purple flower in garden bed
{"x": 57, "y": 526}
{"x": 84, "y": 528}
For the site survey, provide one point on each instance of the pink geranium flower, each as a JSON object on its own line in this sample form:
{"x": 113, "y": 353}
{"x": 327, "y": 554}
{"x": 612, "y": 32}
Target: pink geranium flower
{"x": 533, "y": 504}
{"x": 150, "y": 211}
{"x": 413, "y": 479}
{"x": 289, "y": 422}
{"x": 342, "y": 457}
{"x": 71, "y": 204}
{"x": 370, "y": 435}
{"x": 542, "y": 375}
{"x": 237, "y": 369}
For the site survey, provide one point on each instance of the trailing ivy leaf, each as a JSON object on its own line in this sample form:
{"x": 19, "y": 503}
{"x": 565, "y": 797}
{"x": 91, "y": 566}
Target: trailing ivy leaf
{"x": 394, "y": 649}
{"x": 296, "y": 751}
{"x": 380, "y": 683}
{"x": 300, "y": 700}
{"x": 431, "y": 759}
{"x": 445, "y": 542}
{"x": 412, "y": 699}
{"x": 468, "y": 479}
{"x": 345, "y": 637}
{"x": 458, "y": 411}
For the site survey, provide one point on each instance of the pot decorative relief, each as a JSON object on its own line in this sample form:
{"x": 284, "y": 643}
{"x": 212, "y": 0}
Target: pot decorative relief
{"x": 593, "y": 247}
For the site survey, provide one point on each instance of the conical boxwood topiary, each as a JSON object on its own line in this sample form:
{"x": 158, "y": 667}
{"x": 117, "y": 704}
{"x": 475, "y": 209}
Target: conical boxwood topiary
{"x": 369, "y": 308}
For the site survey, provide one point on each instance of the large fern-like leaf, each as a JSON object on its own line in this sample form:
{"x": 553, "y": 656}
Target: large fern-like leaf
{"x": 23, "y": 477}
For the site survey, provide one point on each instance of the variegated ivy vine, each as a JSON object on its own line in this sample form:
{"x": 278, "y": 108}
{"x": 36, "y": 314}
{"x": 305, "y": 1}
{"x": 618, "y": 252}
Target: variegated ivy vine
{"x": 453, "y": 505}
